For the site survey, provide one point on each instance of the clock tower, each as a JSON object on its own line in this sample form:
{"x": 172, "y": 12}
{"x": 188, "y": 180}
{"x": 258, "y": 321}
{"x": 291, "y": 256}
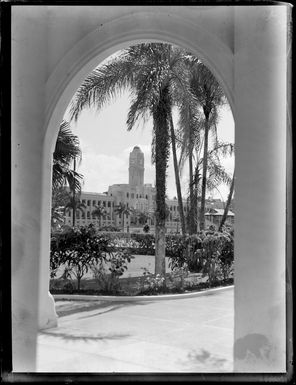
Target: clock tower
{"x": 136, "y": 167}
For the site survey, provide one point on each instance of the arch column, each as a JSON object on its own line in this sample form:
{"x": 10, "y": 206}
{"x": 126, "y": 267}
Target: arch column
{"x": 260, "y": 95}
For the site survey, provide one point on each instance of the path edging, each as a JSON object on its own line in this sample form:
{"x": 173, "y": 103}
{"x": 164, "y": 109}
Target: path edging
{"x": 114, "y": 298}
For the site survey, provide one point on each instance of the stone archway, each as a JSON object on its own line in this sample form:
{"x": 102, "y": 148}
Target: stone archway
{"x": 154, "y": 27}
{"x": 53, "y": 49}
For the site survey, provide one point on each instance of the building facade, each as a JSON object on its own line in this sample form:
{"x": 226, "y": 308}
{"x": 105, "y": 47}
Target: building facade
{"x": 139, "y": 200}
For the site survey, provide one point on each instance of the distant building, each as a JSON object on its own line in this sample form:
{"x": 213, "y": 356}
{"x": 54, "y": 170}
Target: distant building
{"x": 135, "y": 195}
{"x": 138, "y": 196}
{"x": 214, "y": 216}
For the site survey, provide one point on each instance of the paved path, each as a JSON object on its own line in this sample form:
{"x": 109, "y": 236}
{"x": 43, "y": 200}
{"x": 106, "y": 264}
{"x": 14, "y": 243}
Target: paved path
{"x": 181, "y": 335}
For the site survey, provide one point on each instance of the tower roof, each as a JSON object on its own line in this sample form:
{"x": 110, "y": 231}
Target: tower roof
{"x": 137, "y": 148}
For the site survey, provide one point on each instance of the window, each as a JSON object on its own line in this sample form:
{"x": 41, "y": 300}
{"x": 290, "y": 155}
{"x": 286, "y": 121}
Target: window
{"x": 83, "y": 201}
{"x": 137, "y": 196}
{"x": 104, "y": 203}
{"x": 88, "y": 215}
{"x": 146, "y": 196}
{"x": 109, "y": 204}
{"x": 88, "y": 202}
{"x": 83, "y": 215}
{"x": 94, "y": 203}
{"x": 127, "y": 195}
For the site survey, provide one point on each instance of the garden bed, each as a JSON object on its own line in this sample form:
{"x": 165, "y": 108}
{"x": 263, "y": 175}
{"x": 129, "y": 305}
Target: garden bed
{"x": 138, "y": 286}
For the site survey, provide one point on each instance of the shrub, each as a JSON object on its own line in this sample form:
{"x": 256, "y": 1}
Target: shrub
{"x": 176, "y": 280}
{"x": 106, "y": 283}
{"x": 209, "y": 254}
{"x": 152, "y": 284}
{"x": 227, "y": 255}
{"x": 79, "y": 250}
{"x": 145, "y": 242}
{"x": 109, "y": 229}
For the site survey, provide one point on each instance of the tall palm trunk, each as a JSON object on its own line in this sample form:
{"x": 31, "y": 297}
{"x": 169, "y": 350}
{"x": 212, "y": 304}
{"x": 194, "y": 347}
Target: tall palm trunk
{"x": 226, "y": 209}
{"x": 196, "y": 183}
{"x": 74, "y": 196}
{"x": 161, "y": 127}
{"x": 204, "y": 171}
{"x": 177, "y": 177}
{"x": 192, "y": 207}
{"x": 191, "y": 214}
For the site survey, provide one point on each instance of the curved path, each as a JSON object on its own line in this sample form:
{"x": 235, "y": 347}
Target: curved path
{"x": 193, "y": 335}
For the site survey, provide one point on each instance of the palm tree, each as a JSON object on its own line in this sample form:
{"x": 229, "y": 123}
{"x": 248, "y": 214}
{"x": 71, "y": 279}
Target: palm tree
{"x": 75, "y": 205}
{"x": 152, "y": 73}
{"x": 60, "y": 197}
{"x": 189, "y": 141}
{"x": 226, "y": 209}
{"x": 67, "y": 150}
{"x": 124, "y": 210}
{"x": 210, "y": 96}
{"x": 99, "y": 212}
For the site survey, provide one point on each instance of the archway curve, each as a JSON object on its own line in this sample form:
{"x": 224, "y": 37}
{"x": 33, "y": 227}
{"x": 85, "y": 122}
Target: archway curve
{"x": 120, "y": 33}
{"x": 78, "y": 62}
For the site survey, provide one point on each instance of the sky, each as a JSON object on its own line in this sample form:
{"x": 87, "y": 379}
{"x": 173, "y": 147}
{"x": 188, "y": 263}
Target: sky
{"x": 106, "y": 145}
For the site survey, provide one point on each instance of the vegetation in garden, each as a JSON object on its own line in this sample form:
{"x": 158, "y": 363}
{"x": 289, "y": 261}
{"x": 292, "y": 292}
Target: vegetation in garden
{"x": 162, "y": 78}
{"x": 107, "y": 255}
{"x": 81, "y": 250}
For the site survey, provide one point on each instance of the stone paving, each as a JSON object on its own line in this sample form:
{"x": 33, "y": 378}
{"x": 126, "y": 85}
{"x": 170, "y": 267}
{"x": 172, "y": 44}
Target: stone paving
{"x": 193, "y": 335}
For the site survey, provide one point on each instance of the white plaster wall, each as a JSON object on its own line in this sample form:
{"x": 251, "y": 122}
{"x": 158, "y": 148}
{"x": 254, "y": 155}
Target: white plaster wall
{"x": 28, "y": 106}
{"x": 260, "y": 89}
{"x": 55, "y": 48}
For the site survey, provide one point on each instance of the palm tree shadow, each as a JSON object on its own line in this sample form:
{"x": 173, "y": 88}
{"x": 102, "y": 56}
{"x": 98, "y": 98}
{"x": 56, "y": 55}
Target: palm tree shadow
{"x": 205, "y": 357}
{"x": 86, "y": 307}
{"x": 85, "y": 338}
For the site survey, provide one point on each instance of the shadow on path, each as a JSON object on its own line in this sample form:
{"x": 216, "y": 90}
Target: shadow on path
{"x": 73, "y": 307}
{"x": 85, "y": 338}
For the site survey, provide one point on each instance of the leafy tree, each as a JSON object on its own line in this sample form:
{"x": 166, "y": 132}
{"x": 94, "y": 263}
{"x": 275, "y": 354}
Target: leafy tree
{"x": 81, "y": 250}
{"x": 78, "y": 249}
